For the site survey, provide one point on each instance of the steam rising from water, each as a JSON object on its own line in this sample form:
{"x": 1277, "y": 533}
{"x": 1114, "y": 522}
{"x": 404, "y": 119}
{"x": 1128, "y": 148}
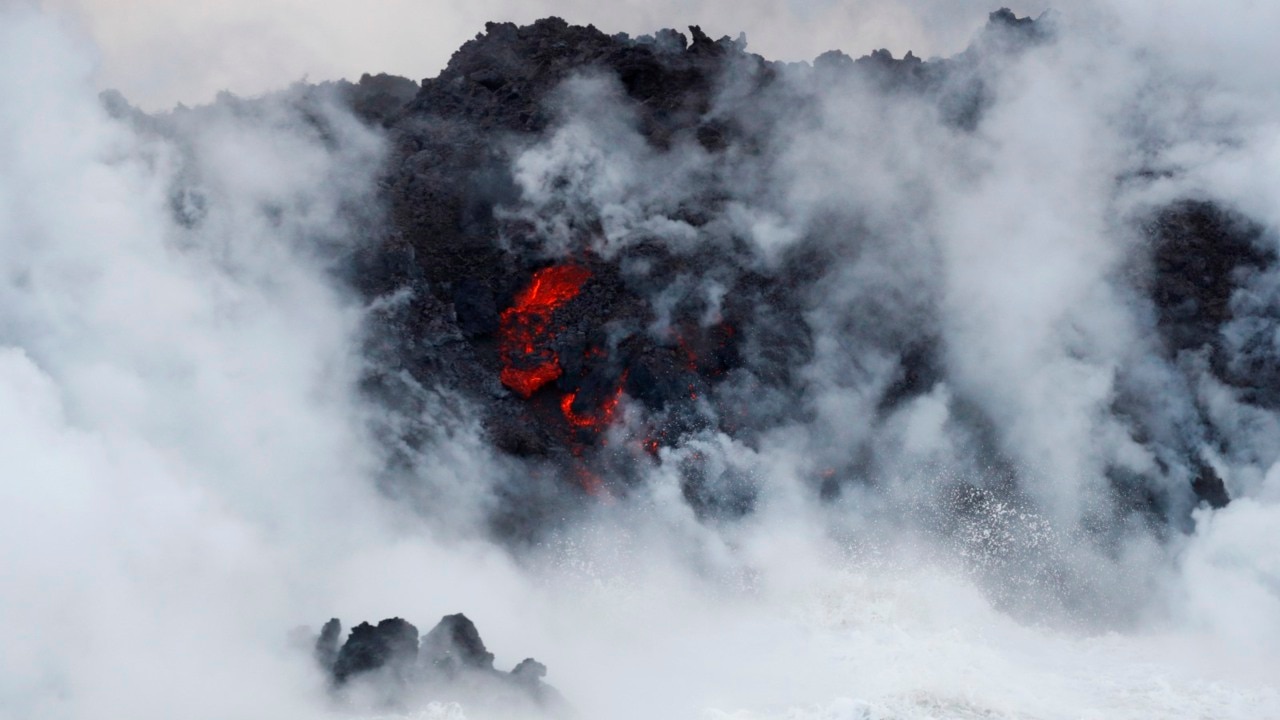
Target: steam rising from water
{"x": 190, "y": 470}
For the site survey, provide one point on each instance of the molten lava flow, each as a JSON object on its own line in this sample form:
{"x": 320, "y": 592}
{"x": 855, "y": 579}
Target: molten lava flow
{"x": 526, "y": 381}
{"x": 528, "y": 361}
{"x": 596, "y": 421}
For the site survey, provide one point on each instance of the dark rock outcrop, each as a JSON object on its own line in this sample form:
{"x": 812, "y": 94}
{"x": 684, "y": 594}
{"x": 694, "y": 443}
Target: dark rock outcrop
{"x": 680, "y": 311}
{"x": 390, "y": 647}
{"x": 386, "y": 665}
{"x": 464, "y": 250}
{"x": 453, "y": 646}
{"x": 328, "y": 645}
{"x": 1201, "y": 254}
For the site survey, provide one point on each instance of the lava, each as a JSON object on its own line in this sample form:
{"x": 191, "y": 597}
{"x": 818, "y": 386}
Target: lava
{"x": 528, "y": 361}
{"x": 596, "y": 421}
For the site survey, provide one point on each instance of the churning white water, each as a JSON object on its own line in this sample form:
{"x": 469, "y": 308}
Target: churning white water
{"x": 187, "y": 471}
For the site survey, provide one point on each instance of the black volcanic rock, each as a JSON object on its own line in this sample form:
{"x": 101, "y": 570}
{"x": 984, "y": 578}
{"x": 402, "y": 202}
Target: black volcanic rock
{"x": 391, "y": 645}
{"x": 529, "y": 670}
{"x": 328, "y": 644}
{"x": 450, "y": 663}
{"x": 1208, "y": 486}
{"x": 453, "y": 645}
{"x": 459, "y": 252}
{"x": 1206, "y": 260}
{"x": 1007, "y": 18}
{"x": 682, "y": 313}
{"x": 1201, "y": 254}
{"x": 379, "y": 98}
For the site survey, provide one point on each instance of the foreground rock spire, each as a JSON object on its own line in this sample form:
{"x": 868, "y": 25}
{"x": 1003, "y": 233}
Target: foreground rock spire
{"x": 389, "y": 666}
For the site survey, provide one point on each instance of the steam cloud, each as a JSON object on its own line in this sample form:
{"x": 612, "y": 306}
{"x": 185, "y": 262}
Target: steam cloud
{"x": 957, "y": 452}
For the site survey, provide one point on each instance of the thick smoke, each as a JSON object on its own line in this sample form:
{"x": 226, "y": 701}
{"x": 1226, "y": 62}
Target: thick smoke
{"x": 957, "y": 435}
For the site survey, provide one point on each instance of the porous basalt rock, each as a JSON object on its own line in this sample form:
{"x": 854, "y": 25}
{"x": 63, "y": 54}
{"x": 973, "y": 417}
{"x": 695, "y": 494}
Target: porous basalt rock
{"x": 391, "y": 647}
{"x": 388, "y": 665}
{"x": 453, "y": 646}
{"x": 460, "y": 255}
{"x": 681, "y": 313}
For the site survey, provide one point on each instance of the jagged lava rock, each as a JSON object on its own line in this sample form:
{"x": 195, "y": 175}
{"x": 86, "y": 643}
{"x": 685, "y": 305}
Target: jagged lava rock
{"x": 449, "y": 663}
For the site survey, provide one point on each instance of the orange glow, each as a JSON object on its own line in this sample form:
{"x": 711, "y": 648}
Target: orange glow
{"x": 589, "y": 481}
{"x": 597, "y": 421}
{"x": 527, "y": 381}
{"x": 550, "y": 288}
{"x": 527, "y": 361}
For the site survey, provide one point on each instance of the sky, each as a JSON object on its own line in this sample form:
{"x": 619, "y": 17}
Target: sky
{"x": 161, "y": 52}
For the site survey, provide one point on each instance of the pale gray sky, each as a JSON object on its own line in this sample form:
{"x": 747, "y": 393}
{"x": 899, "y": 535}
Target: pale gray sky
{"x": 159, "y": 52}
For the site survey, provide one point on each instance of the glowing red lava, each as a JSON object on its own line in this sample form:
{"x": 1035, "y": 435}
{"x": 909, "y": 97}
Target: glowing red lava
{"x": 596, "y": 421}
{"x": 528, "y": 363}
